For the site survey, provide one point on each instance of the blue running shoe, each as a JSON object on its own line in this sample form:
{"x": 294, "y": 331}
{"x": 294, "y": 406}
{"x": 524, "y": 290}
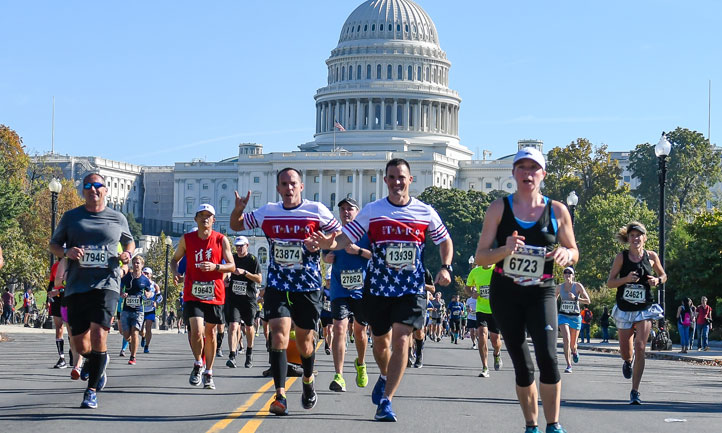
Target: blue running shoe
{"x": 532, "y": 429}
{"x": 378, "y": 391}
{"x": 84, "y": 373}
{"x": 575, "y": 357}
{"x": 555, "y": 428}
{"x": 90, "y": 400}
{"x": 384, "y": 412}
{"x": 627, "y": 370}
{"x": 142, "y": 342}
{"x": 146, "y": 350}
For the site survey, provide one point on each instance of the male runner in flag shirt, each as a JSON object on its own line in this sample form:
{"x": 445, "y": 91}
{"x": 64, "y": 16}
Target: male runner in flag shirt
{"x": 294, "y": 278}
{"x": 396, "y": 299}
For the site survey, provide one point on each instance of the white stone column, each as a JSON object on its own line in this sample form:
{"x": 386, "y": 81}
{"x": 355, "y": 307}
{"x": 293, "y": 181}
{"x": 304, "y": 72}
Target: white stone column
{"x": 338, "y": 183}
{"x": 394, "y": 115}
{"x": 358, "y": 124}
{"x": 354, "y": 185}
{"x": 361, "y": 188}
{"x": 320, "y": 186}
{"x": 379, "y": 182}
{"x": 383, "y": 113}
{"x": 303, "y": 193}
{"x": 318, "y": 118}
{"x": 347, "y": 114}
{"x": 407, "y": 115}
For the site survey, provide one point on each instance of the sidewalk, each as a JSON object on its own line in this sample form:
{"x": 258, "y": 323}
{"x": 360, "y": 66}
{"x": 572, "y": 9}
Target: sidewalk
{"x": 9, "y": 330}
{"x": 711, "y": 357}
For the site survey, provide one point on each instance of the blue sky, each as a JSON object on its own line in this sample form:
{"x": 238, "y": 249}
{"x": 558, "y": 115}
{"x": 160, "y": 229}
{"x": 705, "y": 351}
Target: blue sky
{"x": 157, "y": 82}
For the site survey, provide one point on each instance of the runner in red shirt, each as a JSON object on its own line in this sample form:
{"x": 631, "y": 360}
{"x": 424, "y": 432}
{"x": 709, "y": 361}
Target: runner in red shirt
{"x": 203, "y": 290}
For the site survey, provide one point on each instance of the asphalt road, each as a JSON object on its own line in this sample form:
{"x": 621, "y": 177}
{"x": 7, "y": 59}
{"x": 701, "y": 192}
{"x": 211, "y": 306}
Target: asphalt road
{"x": 445, "y": 395}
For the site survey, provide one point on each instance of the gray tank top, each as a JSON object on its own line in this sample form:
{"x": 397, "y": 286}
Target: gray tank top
{"x": 567, "y": 306}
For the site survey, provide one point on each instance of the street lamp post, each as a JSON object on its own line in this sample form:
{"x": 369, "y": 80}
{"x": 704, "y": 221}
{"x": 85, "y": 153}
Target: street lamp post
{"x": 168, "y": 244}
{"x": 572, "y": 201}
{"x": 55, "y": 187}
{"x": 662, "y": 150}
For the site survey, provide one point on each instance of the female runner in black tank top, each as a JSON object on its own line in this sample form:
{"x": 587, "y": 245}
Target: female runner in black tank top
{"x": 631, "y": 275}
{"x": 520, "y": 304}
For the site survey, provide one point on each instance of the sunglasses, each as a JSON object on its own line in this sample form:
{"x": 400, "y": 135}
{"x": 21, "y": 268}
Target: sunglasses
{"x": 567, "y": 273}
{"x": 89, "y": 185}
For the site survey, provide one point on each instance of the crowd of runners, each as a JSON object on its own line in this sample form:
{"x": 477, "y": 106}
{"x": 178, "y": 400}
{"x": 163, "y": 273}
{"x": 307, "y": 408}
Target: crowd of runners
{"x": 377, "y": 291}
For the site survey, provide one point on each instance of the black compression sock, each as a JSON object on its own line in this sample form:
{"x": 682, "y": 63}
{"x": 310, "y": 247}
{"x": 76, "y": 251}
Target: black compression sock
{"x": 307, "y": 364}
{"x": 279, "y": 367}
{"x": 419, "y": 347}
{"x": 249, "y": 351}
{"x": 219, "y": 337}
{"x": 96, "y": 365}
{"x": 59, "y": 344}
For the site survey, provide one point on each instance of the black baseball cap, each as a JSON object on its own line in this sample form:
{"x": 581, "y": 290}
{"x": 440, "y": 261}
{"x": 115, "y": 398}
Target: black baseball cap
{"x": 350, "y": 201}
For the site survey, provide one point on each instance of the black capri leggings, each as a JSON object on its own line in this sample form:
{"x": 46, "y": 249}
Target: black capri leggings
{"x": 455, "y": 325}
{"x": 517, "y": 309}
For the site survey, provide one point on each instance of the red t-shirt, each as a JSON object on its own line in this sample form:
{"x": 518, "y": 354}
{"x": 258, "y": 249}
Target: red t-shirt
{"x": 206, "y": 287}
{"x": 702, "y": 313}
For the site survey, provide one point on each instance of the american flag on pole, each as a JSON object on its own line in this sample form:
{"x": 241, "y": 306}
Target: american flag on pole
{"x": 338, "y": 126}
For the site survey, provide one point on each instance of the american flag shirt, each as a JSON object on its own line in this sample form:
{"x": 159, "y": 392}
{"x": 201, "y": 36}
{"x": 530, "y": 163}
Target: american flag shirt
{"x": 397, "y": 235}
{"x": 292, "y": 268}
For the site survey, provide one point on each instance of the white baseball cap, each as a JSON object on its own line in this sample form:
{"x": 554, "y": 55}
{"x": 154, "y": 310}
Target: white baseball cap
{"x": 240, "y": 240}
{"x": 530, "y": 153}
{"x": 206, "y": 207}
{"x": 148, "y": 271}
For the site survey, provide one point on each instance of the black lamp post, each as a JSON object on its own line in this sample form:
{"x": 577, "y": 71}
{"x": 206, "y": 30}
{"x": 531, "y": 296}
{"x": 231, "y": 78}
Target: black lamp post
{"x": 572, "y": 201}
{"x": 55, "y": 187}
{"x": 168, "y": 244}
{"x": 662, "y": 149}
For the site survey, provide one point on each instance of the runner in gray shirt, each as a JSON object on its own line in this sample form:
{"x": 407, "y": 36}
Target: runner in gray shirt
{"x": 89, "y": 236}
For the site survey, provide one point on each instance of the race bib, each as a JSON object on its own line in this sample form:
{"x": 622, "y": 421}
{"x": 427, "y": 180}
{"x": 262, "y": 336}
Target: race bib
{"x": 239, "y": 287}
{"x": 484, "y": 292}
{"x": 456, "y": 313}
{"x": 133, "y": 301}
{"x": 327, "y": 305}
{"x": 288, "y": 254}
{"x": 569, "y": 307}
{"x": 401, "y": 255}
{"x": 527, "y": 261}
{"x": 148, "y": 303}
{"x": 634, "y": 293}
{"x": 94, "y": 257}
{"x": 204, "y": 290}
{"x": 352, "y": 279}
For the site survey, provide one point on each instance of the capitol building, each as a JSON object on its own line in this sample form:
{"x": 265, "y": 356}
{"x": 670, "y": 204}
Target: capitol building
{"x": 388, "y": 88}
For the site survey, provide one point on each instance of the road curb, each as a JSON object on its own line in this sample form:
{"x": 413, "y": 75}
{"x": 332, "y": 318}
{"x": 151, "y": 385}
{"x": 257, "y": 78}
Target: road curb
{"x": 656, "y": 355}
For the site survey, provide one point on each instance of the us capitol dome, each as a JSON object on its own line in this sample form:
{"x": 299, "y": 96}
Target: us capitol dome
{"x": 387, "y": 87}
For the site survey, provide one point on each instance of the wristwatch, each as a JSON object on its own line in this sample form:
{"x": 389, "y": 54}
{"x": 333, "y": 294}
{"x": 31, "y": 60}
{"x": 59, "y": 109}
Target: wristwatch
{"x": 218, "y": 267}
{"x": 448, "y": 268}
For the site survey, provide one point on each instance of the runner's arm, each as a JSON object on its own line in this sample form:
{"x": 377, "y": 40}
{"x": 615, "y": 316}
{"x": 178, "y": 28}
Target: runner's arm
{"x": 486, "y": 255}
{"x": 230, "y": 264}
{"x": 236, "y": 222}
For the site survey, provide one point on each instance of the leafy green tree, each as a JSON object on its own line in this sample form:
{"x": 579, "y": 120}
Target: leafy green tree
{"x": 136, "y": 228}
{"x": 583, "y": 168}
{"x": 24, "y": 266}
{"x": 463, "y": 214}
{"x": 13, "y": 163}
{"x": 693, "y": 166}
{"x": 601, "y": 219}
{"x": 695, "y": 267}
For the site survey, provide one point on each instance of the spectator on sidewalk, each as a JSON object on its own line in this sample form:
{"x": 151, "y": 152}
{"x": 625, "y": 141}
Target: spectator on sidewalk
{"x": 604, "y": 323}
{"x": 586, "y": 324}
{"x": 28, "y": 305}
{"x": 8, "y": 307}
{"x": 685, "y": 317}
{"x": 704, "y": 323}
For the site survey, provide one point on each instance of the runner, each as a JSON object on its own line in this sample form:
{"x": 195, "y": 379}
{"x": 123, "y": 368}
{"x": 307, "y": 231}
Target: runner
{"x": 347, "y": 280}
{"x": 151, "y": 299}
{"x": 397, "y": 227}
{"x": 55, "y": 298}
{"x": 28, "y": 305}
{"x": 436, "y": 315}
{"x": 203, "y": 290}
{"x": 478, "y": 282}
{"x": 75, "y": 361}
{"x": 471, "y": 311}
{"x": 326, "y": 316}
{"x": 455, "y": 309}
{"x": 91, "y": 233}
{"x": 571, "y": 294}
{"x": 133, "y": 287}
{"x": 631, "y": 275}
{"x": 526, "y": 226}
{"x": 293, "y": 290}
{"x": 241, "y": 305}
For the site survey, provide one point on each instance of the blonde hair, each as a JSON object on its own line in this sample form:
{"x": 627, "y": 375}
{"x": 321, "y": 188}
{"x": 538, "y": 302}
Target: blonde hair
{"x": 623, "y": 233}
{"x": 138, "y": 257}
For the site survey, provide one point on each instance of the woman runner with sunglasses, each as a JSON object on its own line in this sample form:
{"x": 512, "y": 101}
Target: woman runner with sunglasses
{"x": 572, "y": 294}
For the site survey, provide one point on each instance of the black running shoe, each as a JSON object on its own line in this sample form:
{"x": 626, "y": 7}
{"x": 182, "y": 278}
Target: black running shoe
{"x": 195, "y": 378}
{"x": 60, "y": 364}
{"x": 308, "y": 396}
{"x": 634, "y": 398}
{"x": 627, "y": 369}
{"x": 249, "y": 361}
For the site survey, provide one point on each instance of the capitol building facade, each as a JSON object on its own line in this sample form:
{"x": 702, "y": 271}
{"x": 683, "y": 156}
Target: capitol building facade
{"x": 387, "y": 87}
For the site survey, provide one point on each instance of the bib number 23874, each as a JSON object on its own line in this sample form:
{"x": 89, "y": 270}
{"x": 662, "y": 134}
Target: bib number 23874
{"x": 288, "y": 254}
{"x": 527, "y": 261}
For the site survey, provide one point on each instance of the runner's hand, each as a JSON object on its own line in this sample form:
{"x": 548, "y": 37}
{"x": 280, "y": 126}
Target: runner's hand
{"x": 561, "y": 256}
{"x": 124, "y": 257}
{"x": 443, "y": 277}
{"x": 320, "y": 241}
{"x": 513, "y": 242}
{"x": 74, "y": 253}
{"x": 242, "y": 202}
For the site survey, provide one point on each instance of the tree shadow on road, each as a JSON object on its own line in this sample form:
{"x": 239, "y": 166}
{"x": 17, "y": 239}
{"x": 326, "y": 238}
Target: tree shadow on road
{"x": 648, "y": 406}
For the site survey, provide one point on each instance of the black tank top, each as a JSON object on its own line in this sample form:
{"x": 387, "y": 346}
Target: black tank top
{"x": 643, "y": 270}
{"x": 541, "y": 234}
